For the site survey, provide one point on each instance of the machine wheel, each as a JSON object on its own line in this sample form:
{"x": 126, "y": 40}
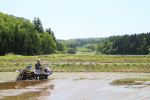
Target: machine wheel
{"x": 24, "y": 76}
{"x": 32, "y": 75}
{"x": 46, "y": 76}
{"x": 41, "y": 77}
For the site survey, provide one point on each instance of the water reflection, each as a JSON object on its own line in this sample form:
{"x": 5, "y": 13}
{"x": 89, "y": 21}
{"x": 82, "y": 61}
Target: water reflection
{"x": 36, "y": 95}
{"x": 19, "y": 84}
{"x": 25, "y": 90}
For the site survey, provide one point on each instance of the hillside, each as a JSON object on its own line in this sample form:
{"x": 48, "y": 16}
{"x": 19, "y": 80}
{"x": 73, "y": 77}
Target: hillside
{"x": 82, "y": 44}
{"x": 20, "y": 36}
{"x": 135, "y": 44}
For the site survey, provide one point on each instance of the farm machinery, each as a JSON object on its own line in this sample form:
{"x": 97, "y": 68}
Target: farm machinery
{"x": 40, "y": 74}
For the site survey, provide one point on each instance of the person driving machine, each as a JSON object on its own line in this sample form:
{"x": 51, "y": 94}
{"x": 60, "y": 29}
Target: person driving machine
{"x": 37, "y": 65}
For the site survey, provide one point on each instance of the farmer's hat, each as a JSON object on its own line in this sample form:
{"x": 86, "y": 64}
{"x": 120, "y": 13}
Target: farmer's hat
{"x": 39, "y": 60}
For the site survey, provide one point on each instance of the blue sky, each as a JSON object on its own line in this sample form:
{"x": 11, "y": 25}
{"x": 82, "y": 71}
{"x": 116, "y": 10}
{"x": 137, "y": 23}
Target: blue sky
{"x": 84, "y": 18}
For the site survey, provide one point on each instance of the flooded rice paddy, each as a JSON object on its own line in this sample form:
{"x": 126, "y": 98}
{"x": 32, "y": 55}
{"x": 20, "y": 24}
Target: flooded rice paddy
{"x": 77, "y": 86}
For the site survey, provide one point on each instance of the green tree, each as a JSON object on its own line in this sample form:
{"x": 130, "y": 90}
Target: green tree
{"x": 143, "y": 47}
{"x": 38, "y": 25}
{"x": 48, "y": 44}
{"x": 60, "y": 47}
{"x": 71, "y": 50}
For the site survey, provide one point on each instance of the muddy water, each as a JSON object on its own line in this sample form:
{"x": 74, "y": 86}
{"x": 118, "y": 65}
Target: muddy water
{"x": 79, "y": 86}
{"x": 24, "y": 90}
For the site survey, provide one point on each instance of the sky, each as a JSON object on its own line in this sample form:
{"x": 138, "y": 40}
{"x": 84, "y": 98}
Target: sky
{"x": 70, "y": 19}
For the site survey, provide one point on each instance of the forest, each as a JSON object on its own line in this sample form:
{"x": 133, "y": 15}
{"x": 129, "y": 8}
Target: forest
{"x": 23, "y": 37}
{"x": 135, "y": 44}
{"x": 20, "y": 36}
{"x": 81, "y": 44}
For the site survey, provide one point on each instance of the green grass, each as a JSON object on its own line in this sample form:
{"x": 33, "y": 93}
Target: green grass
{"x": 82, "y": 49}
{"x": 79, "y": 58}
{"x": 90, "y": 67}
{"x": 79, "y": 63}
{"x": 131, "y": 80}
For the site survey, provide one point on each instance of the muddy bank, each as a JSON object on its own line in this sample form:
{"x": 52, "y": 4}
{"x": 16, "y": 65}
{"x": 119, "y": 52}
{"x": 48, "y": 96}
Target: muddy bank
{"x": 78, "y": 86}
{"x": 8, "y": 76}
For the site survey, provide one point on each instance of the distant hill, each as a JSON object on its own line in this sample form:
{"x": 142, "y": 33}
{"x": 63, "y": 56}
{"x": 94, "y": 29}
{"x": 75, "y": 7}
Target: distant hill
{"x": 82, "y": 41}
{"x": 82, "y": 44}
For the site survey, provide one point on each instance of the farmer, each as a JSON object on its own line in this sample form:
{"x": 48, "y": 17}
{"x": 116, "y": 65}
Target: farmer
{"x": 37, "y": 65}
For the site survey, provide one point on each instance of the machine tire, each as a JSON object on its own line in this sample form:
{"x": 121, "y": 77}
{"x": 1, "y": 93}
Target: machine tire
{"x": 24, "y": 76}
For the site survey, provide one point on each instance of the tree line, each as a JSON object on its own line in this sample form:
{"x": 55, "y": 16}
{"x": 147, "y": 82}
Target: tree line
{"x": 135, "y": 44}
{"x": 20, "y": 36}
{"x": 81, "y": 45}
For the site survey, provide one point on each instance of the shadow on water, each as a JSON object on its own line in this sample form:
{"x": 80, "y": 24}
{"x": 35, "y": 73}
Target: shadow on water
{"x": 24, "y": 90}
